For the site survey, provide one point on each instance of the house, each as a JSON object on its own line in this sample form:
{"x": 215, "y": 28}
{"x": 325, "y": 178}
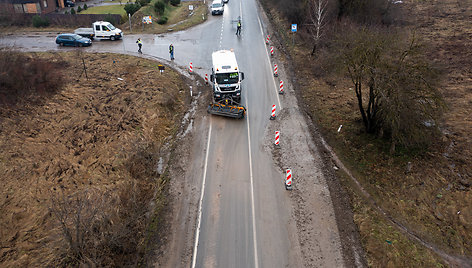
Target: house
{"x": 28, "y": 6}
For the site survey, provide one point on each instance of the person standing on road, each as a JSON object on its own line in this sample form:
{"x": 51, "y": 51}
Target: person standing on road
{"x": 140, "y": 45}
{"x": 238, "y": 29}
{"x": 171, "y": 51}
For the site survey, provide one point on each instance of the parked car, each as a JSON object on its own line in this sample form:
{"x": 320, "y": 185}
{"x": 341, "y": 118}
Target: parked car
{"x": 73, "y": 40}
{"x": 69, "y": 3}
{"x": 217, "y": 7}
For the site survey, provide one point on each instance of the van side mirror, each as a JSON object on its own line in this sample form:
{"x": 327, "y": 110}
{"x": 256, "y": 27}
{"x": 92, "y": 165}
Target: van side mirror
{"x": 211, "y": 77}
{"x": 242, "y": 76}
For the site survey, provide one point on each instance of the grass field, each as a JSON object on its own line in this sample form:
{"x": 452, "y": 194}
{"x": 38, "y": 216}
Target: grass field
{"x": 111, "y": 9}
{"x": 179, "y": 18}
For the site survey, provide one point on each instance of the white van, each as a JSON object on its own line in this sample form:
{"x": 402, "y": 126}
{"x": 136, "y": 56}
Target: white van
{"x": 217, "y": 7}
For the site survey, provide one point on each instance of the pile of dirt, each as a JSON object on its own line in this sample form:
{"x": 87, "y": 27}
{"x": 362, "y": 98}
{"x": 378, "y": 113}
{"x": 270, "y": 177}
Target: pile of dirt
{"x": 96, "y": 134}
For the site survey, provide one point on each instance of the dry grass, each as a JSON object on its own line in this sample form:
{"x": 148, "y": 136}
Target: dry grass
{"x": 96, "y": 134}
{"x": 434, "y": 199}
{"x": 179, "y": 18}
{"x": 385, "y": 246}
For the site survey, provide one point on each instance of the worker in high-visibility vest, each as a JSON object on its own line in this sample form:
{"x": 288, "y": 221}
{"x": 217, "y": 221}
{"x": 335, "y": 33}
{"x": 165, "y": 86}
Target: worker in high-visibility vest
{"x": 238, "y": 28}
{"x": 140, "y": 45}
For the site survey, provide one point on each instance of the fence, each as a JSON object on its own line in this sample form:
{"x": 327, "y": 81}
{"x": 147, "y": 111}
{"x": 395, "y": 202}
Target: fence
{"x": 66, "y": 20}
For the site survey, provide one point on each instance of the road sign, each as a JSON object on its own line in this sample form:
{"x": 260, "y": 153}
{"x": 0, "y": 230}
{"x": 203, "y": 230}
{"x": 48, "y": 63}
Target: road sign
{"x": 294, "y": 28}
{"x": 190, "y": 7}
{"x": 147, "y": 19}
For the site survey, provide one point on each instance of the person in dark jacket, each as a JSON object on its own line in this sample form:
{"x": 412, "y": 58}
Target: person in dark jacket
{"x": 171, "y": 51}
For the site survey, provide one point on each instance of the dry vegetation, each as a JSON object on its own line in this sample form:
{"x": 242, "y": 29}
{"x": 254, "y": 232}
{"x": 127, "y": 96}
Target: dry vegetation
{"x": 79, "y": 168}
{"x": 426, "y": 189}
{"x": 180, "y": 18}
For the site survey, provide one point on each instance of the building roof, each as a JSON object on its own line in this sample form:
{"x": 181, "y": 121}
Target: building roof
{"x": 18, "y": 1}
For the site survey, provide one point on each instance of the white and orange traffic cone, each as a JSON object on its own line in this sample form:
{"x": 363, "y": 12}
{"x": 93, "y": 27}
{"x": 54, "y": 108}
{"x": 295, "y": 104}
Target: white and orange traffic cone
{"x": 275, "y": 70}
{"x": 206, "y": 79}
{"x": 190, "y": 68}
{"x": 281, "y": 87}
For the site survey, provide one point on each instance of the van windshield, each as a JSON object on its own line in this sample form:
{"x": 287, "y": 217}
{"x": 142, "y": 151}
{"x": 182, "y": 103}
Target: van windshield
{"x": 216, "y": 5}
{"x": 111, "y": 27}
{"x": 227, "y": 78}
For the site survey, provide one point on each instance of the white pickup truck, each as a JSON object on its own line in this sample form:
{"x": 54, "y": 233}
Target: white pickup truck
{"x": 100, "y": 29}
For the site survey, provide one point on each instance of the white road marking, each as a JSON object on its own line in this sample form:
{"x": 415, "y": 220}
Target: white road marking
{"x": 253, "y": 210}
{"x": 270, "y": 64}
{"x": 199, "y": 220}
{"x": 254, "y": 234}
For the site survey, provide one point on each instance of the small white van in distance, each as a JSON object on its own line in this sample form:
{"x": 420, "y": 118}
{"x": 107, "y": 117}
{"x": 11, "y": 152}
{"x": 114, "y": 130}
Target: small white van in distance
{"x": 217, "y": 7}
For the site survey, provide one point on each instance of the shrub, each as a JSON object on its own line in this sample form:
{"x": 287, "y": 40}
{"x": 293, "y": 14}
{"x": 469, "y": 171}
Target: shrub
{"x": 91, "y": 229}
{"x": 131, "y": 8}
{"x": 72, "y": 11}
{"x": 111, "y": 19}
{"x": 175, "y": 2}
{"x": 24, "y": 78}
{"x": 166, "y": 1}
{"x": 67, "y": 12}
{"x": 159, "y": 7}
{"x": 143, "y": 2}
{"x": 124, "y": 18}
{"x": 85, "y": 7}
{"x": 79, "y": 9}
{"x": 162, "y": 20}
{"x": 38, "y": 21}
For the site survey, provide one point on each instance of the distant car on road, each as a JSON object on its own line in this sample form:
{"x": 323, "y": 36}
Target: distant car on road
{"x": 217, "y": 7}
{"x": 73, "y": 40}
{"x": 69, "y": 3}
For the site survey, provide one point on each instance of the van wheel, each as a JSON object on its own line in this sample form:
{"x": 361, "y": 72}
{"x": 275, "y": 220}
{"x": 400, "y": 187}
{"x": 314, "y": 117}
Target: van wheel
{"x": 80, "y": 45}
{"x": 61, "y": 44}
{"x": 112, "y": 38}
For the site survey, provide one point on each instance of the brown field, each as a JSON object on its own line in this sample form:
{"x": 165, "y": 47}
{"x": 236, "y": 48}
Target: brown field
{"x": 96, "y": 135}
{"x": 434, "y": 199}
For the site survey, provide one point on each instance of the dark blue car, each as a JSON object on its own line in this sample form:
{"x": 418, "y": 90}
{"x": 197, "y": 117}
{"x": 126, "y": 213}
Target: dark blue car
{"x": 73, "y": 40}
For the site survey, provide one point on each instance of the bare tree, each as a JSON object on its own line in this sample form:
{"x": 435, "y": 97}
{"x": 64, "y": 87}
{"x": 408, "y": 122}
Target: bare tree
{"x": 402, "y": 99}
{"x": 358, "y": 52}
{"x": 410, "y": 103}
{"x": 76, "y": 215}
{"x": 317, "y": 16}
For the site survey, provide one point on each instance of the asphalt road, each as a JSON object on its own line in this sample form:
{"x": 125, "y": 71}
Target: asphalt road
{"x": 246, "y": 218}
